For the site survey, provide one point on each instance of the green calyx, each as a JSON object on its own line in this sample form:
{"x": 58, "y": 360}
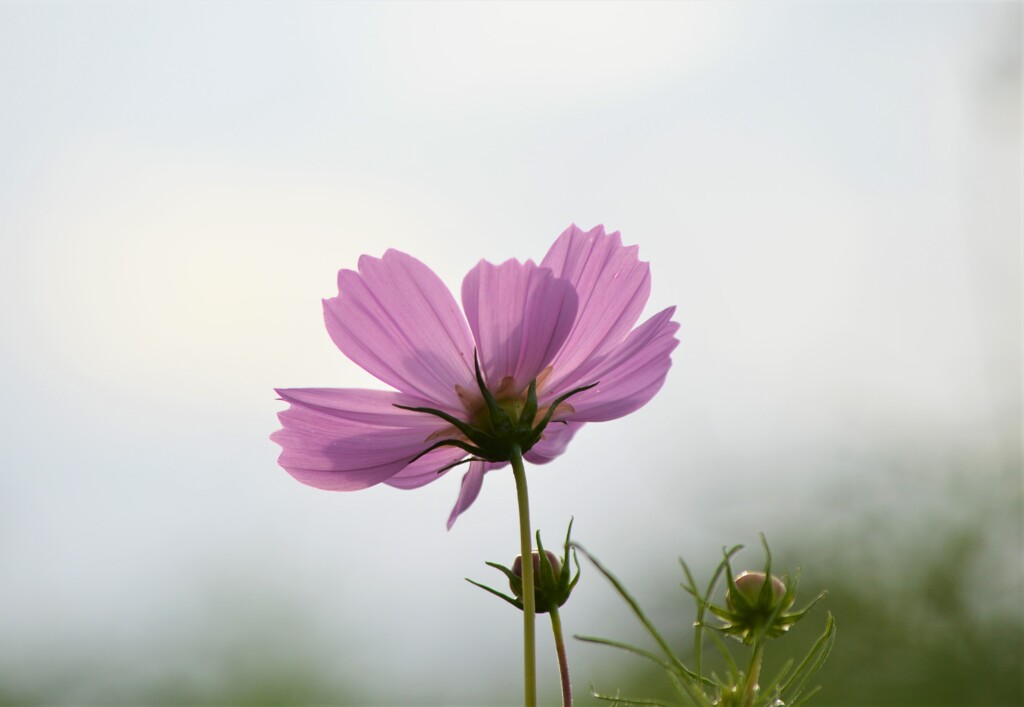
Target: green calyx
{"x": 758, "y": 604}
{"x": 553, "y": 582}
{"x": 501, "y": 427}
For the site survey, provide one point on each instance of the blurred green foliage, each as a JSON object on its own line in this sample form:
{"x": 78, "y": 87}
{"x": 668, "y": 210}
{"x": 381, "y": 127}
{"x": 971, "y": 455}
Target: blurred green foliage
{"x": 270, "y": 687}
{"x": 927, "y": 597}
{"x": 929, "y": 609}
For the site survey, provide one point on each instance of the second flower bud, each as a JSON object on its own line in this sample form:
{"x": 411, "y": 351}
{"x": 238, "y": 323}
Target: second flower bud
{"x": 552, "y": 583}
{"x": 545, "y": 580}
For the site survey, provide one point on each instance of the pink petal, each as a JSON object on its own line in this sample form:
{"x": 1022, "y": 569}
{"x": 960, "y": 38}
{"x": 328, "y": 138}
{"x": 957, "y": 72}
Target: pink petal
{"x": 612, "y": 285}
{"x": 629, "y": 375}
{"x": 397, "y": 320}
{"x": 426, "y": 469}
{"x": 374, "y": 407}
{"x": 328, "y": 447}
{"x": 470, "y": 489}
{"x": 520, "y": 316}
{"x": 553, "y": 443}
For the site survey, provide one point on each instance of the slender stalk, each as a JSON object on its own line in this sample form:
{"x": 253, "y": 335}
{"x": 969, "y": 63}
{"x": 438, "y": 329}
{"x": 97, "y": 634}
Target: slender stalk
{"x": 753, "y": 674}
{"x": 563, "y": 662}
{"x": 529, "y": 599}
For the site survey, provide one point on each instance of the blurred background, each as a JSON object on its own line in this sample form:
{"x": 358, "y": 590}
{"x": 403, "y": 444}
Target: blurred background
{"x": 830, "y": 194}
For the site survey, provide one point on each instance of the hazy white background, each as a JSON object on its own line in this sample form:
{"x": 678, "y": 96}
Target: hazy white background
{"x": 830, "y": 194}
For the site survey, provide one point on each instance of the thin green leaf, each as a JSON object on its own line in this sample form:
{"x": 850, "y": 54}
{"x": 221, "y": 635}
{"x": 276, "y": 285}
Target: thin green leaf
{"x": 628, "y": 648}
{"x": 734, "y": 669}
{"x": 698, "y": 625}
{"x": 655, "y": 634}
{"x": 772, "y": 687}
{"x": 811, "y": 664}
{"x": 629, "y": 700}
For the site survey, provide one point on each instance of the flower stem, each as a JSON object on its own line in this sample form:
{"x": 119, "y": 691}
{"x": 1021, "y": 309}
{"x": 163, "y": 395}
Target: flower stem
{"x": 753, "y": 674}
{"x": 529, "y": 600}
{"x": 563, "y": 662}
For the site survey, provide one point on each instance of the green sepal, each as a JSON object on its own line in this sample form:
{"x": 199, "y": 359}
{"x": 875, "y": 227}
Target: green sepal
{"x": 499, "y": 418}
{"x": 530, "y": 407}
{"x": 751, "y": 621}
{"x": 549, "y": 591}
{"x": 496, "y": 436}
{"x": 450, "y": 419}
{"x": 552, "y": 591}
{"x": 558, "y": 401}
{"x": 514, "y": 602}
{"x": 464, "y": 446}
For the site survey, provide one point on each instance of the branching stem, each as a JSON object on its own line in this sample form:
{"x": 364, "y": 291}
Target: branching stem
{"x": 563, "y": 661}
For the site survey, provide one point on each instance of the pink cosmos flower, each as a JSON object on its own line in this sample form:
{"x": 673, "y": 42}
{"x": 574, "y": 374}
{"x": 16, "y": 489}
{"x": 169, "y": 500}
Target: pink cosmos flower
{"x": 542, "y": 350}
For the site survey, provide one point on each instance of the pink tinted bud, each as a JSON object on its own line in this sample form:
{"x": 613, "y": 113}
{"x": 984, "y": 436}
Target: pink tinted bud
{"x": 556, "y": 564}
{"x": 749, "y": 584}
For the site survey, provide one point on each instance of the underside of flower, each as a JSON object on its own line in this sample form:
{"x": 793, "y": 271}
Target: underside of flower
{"x": 532, "y": 344}
{"x": 499, "y": 428}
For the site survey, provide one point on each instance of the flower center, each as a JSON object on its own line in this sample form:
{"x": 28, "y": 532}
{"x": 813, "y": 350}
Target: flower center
{"x": 510, "y": 405}
{"x": 502, "y": 424}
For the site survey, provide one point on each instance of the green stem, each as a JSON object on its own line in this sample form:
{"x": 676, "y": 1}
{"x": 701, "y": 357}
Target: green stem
{"x": 529, "y": 599}
{"x": 563, "y": 662}
{"x": 753, "y": 674}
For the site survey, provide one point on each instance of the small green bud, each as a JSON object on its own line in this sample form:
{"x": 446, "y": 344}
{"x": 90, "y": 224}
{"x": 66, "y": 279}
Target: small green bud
{"x": 549, "y": 589}
{"x": 758, "y": 605}
{"x": 556, "y": 565}
{"x": 751, "y": 586}
{"x": 552, "y": 583}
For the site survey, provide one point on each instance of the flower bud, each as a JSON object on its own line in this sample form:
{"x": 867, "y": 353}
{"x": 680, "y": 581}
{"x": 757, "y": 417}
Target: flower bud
{"x": 750, "y": 585}
{"x": 548, "y": 589}
{"x": 552, "y": 583}
{"x": 756, "y": 604}
{"x": 556, "y": 565}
